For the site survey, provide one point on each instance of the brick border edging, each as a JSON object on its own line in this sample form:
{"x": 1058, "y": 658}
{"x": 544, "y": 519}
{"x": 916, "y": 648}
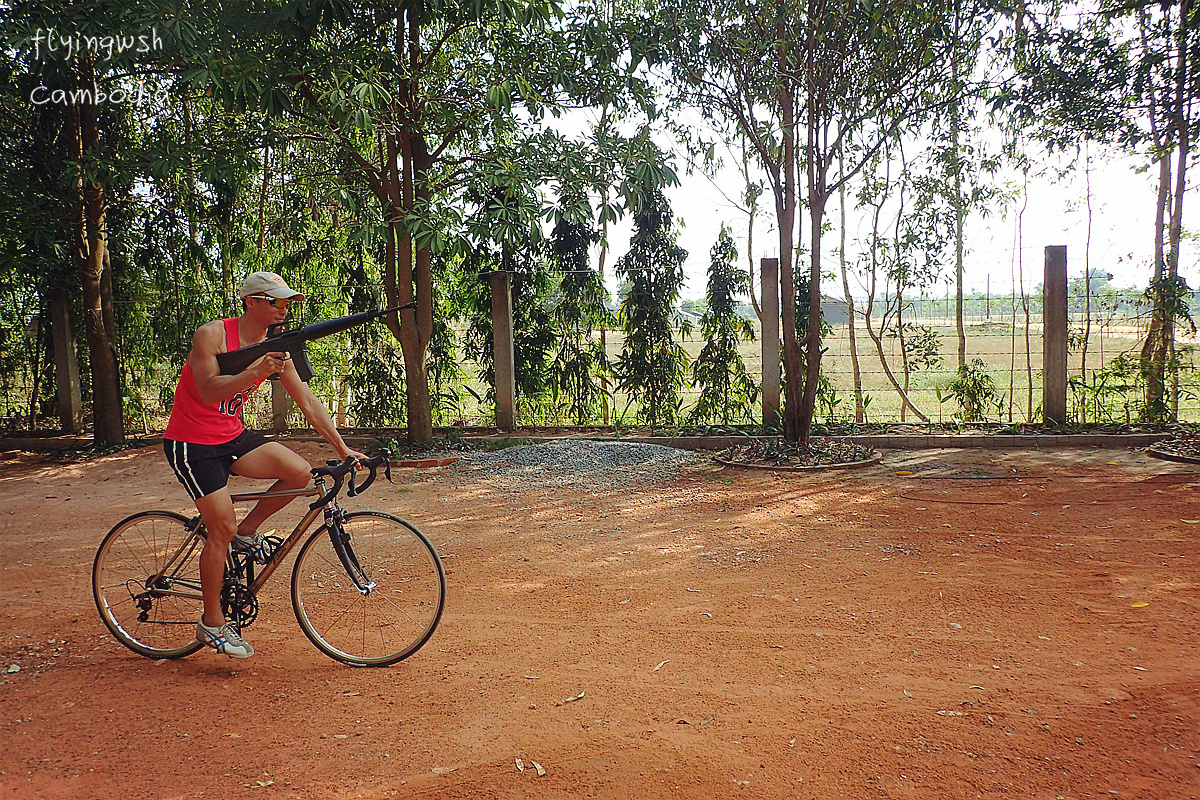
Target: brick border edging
{"x": 886, "y": 442}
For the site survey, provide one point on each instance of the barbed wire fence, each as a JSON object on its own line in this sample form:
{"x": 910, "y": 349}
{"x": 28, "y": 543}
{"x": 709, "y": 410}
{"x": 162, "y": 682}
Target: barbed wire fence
{"x": 999, "y": 333}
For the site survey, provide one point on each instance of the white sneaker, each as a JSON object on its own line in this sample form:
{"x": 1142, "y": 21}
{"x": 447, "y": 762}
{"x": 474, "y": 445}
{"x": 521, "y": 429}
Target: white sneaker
{"x": 225, "y": 639}
{"x": 256, "y": 546}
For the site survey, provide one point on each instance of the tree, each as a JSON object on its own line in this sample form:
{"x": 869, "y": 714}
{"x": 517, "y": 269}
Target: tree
{"x": 1125, "y": 75}
{"x": 846, "y": 75}
{"x": 78, "y": 101}
{"x": 498, "y": 241}
{"x": 652, "y": 363}
{"x": 581, "y": 362}
{"x": 422, "y": 100}
{"x": 906, "y": 259}
{"x": 727, "y": 391}
{"x": 868, "y": 72}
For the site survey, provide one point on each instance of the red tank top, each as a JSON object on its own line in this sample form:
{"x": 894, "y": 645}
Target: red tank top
{"x": 196, "y": 422}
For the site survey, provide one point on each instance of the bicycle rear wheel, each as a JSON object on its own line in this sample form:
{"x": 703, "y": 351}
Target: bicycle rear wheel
{"x": 146, "y": 582}
{"x": 388, "y": 622}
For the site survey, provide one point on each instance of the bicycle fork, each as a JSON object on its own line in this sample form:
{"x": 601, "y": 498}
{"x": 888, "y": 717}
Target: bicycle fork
{"x": 340, "y": 540}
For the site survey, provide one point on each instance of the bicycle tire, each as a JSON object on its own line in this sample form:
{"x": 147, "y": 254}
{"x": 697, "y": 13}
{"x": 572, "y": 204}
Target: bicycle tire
{"x": 156, "y": 621}
{"x": 396, "y": 617}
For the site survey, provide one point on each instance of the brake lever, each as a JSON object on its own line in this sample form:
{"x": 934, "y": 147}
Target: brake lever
{"x": 386, "y": 455}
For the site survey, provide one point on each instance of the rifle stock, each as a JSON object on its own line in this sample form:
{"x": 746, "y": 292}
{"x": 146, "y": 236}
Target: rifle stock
{"x": 293, "y": 342}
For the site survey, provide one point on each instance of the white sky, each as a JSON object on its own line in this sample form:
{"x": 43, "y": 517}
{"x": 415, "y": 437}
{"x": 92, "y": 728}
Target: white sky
{"x": 1122, "y": 230}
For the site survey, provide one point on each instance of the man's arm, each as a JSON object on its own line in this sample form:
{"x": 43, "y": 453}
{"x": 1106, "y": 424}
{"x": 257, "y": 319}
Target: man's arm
{"x": 211, "y": 384}
{"x": 314, "y": 411}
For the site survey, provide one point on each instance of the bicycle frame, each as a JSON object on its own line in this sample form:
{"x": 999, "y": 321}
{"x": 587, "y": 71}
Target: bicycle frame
{"x": 277, "y": 558}
{"x": 297, "y": 533}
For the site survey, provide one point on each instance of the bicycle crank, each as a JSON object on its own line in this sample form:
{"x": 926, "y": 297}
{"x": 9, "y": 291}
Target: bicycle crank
{"x": 239, "y": 604}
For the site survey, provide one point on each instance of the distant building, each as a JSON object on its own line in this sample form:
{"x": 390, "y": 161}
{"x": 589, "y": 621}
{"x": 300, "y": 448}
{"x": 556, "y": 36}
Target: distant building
{"x": 835, "y": 312}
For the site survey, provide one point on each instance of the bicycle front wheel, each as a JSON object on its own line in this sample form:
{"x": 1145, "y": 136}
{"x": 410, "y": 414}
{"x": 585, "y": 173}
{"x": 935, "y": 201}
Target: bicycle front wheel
{"x": 146, "y": 582}
{"x": 393, "y": 615}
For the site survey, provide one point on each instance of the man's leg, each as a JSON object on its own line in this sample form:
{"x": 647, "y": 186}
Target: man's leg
{"x": 216, "y": 509}
{"x": 271, "y": 460}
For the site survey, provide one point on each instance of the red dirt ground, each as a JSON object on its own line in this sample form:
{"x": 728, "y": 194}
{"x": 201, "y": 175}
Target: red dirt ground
{"x": 1018, "y": 624}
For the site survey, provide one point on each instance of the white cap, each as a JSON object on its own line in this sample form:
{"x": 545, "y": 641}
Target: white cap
{"x": 269, "y": 284}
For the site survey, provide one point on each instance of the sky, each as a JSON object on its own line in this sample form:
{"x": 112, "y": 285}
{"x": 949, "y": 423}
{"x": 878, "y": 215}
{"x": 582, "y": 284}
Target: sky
{"x": 1123, "y": 202}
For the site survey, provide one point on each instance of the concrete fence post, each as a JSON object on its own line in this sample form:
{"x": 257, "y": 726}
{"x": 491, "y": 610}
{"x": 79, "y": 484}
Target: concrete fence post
{"x": 770, "y": 341}
{"x": 281, "y": 406}
{"x": 66, "y": 365}
{"x": 503, "y": 355}
{"x": 1054, "y": 337}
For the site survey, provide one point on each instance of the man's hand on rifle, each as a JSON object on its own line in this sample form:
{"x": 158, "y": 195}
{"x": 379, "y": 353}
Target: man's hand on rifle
{"x": 270, "y": 364}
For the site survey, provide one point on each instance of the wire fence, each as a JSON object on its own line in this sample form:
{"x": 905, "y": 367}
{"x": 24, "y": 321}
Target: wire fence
{"x": 999, "y": 334}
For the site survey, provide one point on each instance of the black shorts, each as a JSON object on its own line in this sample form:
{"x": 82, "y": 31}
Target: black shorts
{"x": 205, "y": 468}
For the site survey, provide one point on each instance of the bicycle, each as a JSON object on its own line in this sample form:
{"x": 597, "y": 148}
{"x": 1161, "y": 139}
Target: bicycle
{"x": 368, "y": 588}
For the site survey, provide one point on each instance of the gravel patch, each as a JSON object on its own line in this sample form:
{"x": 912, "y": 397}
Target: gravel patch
{"x": 584, "y": 464}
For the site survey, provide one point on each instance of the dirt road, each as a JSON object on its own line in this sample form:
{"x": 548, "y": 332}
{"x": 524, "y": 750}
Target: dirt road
{"x": 991, "y": 625}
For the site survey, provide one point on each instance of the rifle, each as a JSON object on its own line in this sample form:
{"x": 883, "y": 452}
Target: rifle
{"x": 281, "y": 340}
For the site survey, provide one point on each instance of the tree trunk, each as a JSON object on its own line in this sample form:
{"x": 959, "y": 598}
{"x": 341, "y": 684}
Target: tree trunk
{"x": 262, "y": 196}
{"x": 420, "y": 419}
{"x": 1154, "y": 351}
{"x": 956, "y": 167}
{"x": 785, "y": 208}
{"x": 859, "y": 409}
{"x": 905, "y": 401}
{"x": 90, "y": 246}
{"x": 1087, "y": 277}
{"x": 812, "y": 338}
{"x": 900, "y": 339}
{"x": 877, "y": 339}
{"x": 1175, "y": 231}
{"x": 407, "y": 273}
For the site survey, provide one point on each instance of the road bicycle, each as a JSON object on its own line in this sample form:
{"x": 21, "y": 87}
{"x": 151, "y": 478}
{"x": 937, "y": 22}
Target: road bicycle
{"x": 368, "y": 588}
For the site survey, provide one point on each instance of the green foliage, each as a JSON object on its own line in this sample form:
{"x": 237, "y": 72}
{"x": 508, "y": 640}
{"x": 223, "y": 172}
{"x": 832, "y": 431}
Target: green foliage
{"x": 974, "y": 391}
{"x": 1170, "y": 298}
{"x": 376, "y": 382}
{"x": 580, "y": 364}
{"x": 652, "y": 363}
{"x": 494, "y": 246}
{"x": 922, "y": 345}
{"x": 830, "y": 403}
{"x": 1073, "y": 81}
{"x": 727, "y": 391}
{"x": 1113, "y": 394}
{"x": 444, "y": 367}
{"x": 802, "y": 297}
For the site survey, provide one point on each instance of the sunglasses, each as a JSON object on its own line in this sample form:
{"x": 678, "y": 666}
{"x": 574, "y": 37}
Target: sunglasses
{"x": 276, "y": 302}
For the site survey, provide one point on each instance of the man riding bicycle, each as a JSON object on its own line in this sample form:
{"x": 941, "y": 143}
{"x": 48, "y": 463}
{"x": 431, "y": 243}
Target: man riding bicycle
{"x": 205, "y": 441}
